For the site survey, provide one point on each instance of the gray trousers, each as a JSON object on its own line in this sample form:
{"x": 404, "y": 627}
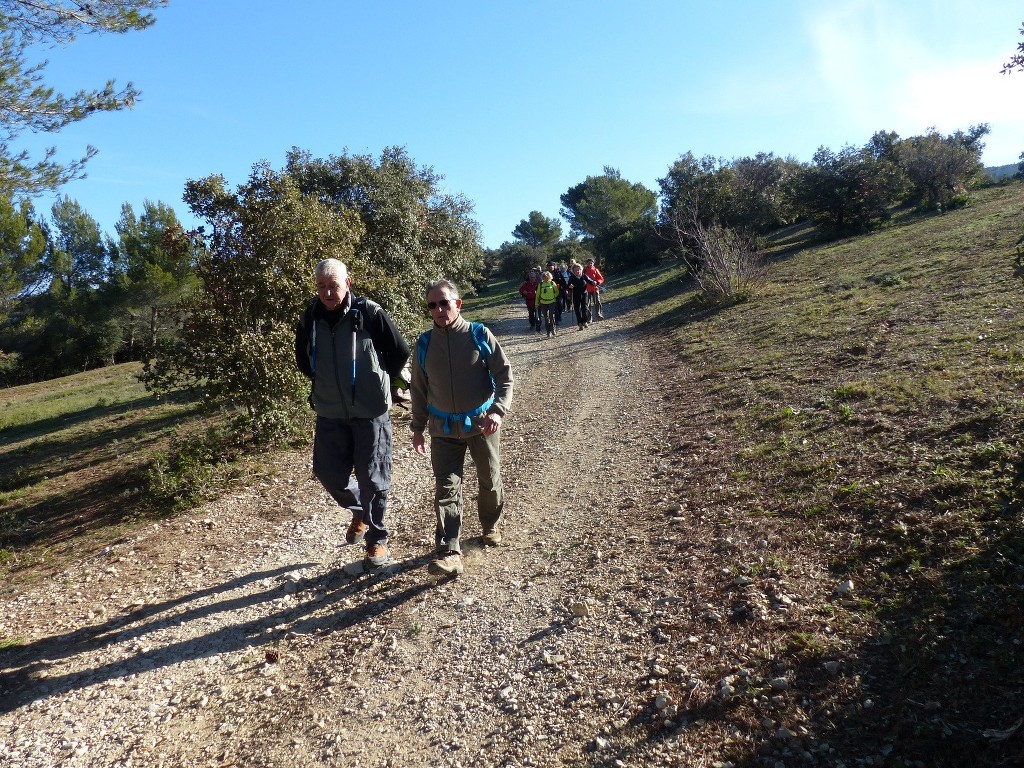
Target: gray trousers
{"x": 448, "y": 460}
{"x": 362, "y": 446}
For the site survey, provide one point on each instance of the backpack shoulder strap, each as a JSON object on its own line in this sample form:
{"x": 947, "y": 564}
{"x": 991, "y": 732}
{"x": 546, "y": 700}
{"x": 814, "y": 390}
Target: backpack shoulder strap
{"x": 422, "y": 342}
{"x": 479, "y": 331}
{"x": 358, "y": 313}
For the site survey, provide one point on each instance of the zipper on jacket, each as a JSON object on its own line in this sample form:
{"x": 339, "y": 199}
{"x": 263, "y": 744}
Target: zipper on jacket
{"x": 451, "y": 370}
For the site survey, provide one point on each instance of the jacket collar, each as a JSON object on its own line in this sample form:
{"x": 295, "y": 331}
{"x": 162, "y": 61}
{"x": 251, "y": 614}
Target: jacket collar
{"x": 460, "y": 324}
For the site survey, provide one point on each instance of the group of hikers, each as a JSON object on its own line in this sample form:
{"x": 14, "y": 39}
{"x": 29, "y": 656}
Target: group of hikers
{"x": 550, "y": 292}
{"x": 459, "y": 382}
{"x": 457, "y": 379}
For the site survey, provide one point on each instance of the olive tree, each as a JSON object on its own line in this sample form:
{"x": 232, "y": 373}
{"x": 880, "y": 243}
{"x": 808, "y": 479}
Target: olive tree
{"x": 255, "y": 269}
{"x": 413, "y": 231}
{"x": 941, "y": 168}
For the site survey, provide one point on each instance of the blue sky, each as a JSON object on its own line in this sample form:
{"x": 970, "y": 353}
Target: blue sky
{"x": 514, "y": 103}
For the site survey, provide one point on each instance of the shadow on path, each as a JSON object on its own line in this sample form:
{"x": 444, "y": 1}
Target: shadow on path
{"x": 23, "y": 670}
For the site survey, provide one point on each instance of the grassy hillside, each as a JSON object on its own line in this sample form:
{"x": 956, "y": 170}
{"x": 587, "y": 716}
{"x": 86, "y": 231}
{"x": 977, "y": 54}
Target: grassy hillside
{"x": 909, "y": 334}
{"x": 860, "y": 420}
{"x": 863, "y": 415}
{"x": 73, "y": 457}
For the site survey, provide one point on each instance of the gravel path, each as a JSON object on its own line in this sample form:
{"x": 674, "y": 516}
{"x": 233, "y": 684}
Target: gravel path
{"x": 633, "y": 616}
{"x": 246, "y": 634}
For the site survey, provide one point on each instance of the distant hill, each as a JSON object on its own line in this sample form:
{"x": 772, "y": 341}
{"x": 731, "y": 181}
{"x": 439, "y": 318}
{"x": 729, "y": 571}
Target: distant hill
{"x": 998, "y": 172}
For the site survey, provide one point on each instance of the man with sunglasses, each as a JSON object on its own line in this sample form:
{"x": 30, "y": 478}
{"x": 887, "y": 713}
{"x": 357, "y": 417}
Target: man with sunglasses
{"x": 351, "y": 350}
{"x": 461, "y": 389}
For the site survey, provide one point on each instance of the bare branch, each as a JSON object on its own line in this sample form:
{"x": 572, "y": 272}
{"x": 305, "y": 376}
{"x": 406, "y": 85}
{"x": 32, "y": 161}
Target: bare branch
{"x": 1016, "y": 62}
{"x": 727, "y": 264}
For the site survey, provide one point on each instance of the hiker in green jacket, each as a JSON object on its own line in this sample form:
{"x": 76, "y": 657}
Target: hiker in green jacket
{"x": 461, "y": 389}
{"x": 547, "y": 296}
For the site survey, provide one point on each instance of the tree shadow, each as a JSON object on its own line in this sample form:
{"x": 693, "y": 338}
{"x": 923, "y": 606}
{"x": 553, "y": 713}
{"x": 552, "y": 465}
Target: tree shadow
{"x": 58, "y": 519}
{"x": 105, "y": 476}
{"x": 46, "y": 427}
{"x": 24, "y": 674}
{"x": 76, "y": 452}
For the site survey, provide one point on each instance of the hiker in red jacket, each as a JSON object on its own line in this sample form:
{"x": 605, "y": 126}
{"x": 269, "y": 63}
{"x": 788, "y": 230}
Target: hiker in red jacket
{"x": 594, "y": 288}
{"x": 528, "y": 291}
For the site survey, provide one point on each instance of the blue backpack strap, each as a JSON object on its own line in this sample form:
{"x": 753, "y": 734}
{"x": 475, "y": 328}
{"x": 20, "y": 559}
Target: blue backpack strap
{"x": 465, "y": 418}
{"x": 422, "y": 342}
{"x": 479, "y": 333}
{"x": 356, "y": 317}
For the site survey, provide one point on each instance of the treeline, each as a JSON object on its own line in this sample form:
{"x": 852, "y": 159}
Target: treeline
{"x": 72, "y": 297}
{"x": 625, "y": 225}
{"x": 196, "y": 303}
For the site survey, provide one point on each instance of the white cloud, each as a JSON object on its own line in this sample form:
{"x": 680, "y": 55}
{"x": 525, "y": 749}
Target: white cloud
{"x": 883, "y": 73}
{"x": 958, "y": 97}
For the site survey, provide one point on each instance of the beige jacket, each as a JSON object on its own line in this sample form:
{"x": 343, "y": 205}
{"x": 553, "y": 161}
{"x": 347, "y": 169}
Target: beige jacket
{"x": 454, "y": 380}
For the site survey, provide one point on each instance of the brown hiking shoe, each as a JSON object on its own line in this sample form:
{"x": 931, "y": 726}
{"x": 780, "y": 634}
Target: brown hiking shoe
{"x": 448, "y": 564}
{"x": 356, "y": 531}
{"x": 491, "y": 538}
{"x": 377, "y": 555}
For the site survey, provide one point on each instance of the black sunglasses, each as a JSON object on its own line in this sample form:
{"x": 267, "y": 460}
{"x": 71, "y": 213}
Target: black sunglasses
{"x": 443, "y": 304}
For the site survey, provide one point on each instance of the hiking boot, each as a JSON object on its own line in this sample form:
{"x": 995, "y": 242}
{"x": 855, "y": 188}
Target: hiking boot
{"x": 377, "y": 555}
{"x": 356, "y": 531}
{"x": 491, "y": 538}
{"x": 448, "y": 564}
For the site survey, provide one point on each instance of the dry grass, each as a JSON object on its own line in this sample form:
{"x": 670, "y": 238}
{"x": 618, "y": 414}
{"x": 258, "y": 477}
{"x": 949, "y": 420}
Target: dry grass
{"x": 865, "y": 413}
{"x": 73, "y": 458}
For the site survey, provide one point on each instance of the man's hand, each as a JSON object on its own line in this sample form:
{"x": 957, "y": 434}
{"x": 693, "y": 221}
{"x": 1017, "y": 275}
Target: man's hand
{"x": 418, "y": 444}
{"x": 490, "y": 423}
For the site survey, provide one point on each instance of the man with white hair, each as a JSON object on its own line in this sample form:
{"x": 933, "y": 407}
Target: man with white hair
{"x": 351, "y": 350}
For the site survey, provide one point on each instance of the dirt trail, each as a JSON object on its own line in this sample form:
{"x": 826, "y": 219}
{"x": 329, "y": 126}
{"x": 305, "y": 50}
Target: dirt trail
{"x": 245, "y": 634}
